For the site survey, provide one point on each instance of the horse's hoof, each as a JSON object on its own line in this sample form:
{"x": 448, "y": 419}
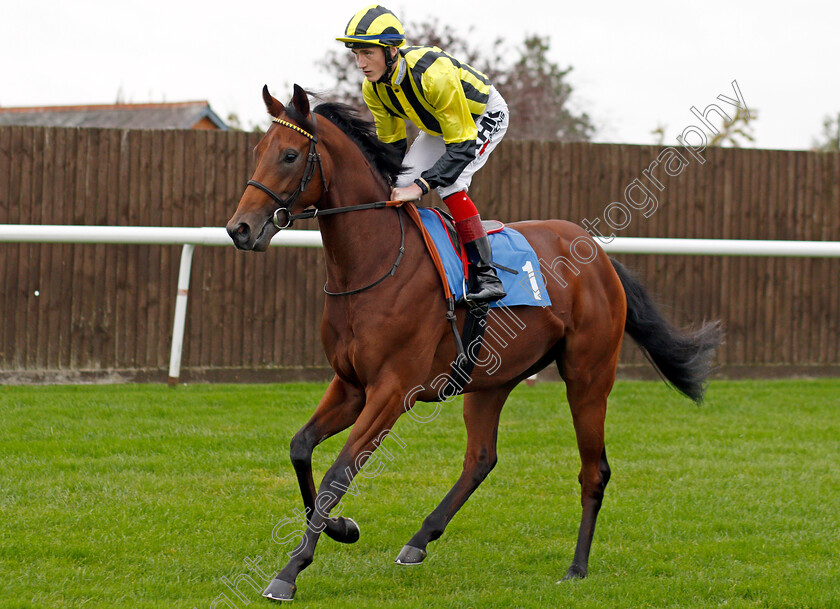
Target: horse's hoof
{"x": 350, "y": 534}
{"x": 575, "y": 572}
{"x": 410, "y": 556}
{"x": 279, "y": 590}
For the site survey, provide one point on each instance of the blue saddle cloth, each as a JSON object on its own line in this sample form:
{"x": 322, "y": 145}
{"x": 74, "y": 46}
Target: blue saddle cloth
{"x": 521, "y": 277}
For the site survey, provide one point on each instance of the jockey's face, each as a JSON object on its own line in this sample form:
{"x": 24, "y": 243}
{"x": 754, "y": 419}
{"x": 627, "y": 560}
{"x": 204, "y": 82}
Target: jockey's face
{"x": 371, "y": 61}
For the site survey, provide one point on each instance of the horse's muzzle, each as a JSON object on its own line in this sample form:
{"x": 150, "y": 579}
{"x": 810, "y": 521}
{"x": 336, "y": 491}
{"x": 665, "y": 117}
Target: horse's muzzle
{"x": 246, "y": 238}
{"x": 241, "y": 235}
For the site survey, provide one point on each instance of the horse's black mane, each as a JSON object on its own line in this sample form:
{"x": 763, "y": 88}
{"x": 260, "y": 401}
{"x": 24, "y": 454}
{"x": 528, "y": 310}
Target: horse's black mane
{"x": 385, "y": 158}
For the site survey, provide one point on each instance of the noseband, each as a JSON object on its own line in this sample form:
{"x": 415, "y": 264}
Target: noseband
{"x": 313, "y": 158}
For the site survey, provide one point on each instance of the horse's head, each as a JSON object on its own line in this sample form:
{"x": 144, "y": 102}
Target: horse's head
{"x": 286, "y": 162}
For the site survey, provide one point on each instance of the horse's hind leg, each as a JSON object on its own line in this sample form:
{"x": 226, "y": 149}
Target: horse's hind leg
{"x": 587, "y": 392}
{"x": 481, "y": 417}
{"x": 338, "y": 409}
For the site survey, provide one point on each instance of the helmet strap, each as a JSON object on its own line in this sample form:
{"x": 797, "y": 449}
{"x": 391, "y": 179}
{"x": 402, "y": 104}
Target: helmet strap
{"x": 390, "y": 60}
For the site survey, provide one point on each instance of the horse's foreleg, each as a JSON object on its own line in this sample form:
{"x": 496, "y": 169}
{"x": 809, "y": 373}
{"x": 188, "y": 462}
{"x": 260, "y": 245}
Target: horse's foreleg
{"x": 588, "y": 403}
{"x": 371, "y": 428}
{"x": 481, "y": 417}
{"x": 338, "y": 409}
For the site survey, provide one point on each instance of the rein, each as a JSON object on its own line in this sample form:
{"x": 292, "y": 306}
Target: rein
{"x": 313, "y": 158}
{"x": 386, "y": 275}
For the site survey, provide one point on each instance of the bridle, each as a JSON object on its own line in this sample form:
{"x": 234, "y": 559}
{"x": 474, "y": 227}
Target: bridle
{"x": 283, "y": 212}
{"x": 312, "y": 159}
{"x": 309, "y": 171}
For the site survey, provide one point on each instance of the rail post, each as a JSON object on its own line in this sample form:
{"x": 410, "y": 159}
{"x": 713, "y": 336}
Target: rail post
{"x": 180, "y": 320}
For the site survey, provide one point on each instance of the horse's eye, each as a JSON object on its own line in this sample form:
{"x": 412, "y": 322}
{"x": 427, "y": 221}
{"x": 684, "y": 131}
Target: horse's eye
{"x": 290, "y": 156}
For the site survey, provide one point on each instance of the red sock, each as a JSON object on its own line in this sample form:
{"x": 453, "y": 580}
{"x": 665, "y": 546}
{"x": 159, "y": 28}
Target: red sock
{"x": 467, "y": 220}
{"x": 460, "y": 205}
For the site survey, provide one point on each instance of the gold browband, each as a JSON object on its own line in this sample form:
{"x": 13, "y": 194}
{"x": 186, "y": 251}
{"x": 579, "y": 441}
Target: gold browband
{"x": 291, "y": 126}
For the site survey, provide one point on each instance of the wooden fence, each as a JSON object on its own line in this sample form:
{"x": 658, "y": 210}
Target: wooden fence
{"x": 73, "y": 311}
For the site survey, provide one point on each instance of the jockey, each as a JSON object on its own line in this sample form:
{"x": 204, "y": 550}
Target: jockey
{"x": 460, "y": 115}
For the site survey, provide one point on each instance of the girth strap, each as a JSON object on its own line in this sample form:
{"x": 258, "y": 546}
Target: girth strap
{"x": 464, "y": 363}
{"x": 473, "y": 337}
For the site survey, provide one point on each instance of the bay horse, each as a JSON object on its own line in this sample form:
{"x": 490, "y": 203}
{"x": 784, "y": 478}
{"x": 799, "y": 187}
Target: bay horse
{"x": 385, "y": 335}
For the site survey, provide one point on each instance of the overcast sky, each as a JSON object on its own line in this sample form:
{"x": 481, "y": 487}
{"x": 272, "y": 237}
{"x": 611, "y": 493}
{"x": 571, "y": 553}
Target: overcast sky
{"x": 636, "y": 64}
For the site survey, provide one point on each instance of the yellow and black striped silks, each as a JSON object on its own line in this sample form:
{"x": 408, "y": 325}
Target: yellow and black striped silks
{"x": 440, "y": 95}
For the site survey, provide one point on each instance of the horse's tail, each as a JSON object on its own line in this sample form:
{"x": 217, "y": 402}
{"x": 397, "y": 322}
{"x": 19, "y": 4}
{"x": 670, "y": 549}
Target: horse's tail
{"x": 684, "y": 358}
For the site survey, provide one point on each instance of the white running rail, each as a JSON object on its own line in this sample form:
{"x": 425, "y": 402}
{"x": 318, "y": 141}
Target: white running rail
{"x": 189, "y": 238}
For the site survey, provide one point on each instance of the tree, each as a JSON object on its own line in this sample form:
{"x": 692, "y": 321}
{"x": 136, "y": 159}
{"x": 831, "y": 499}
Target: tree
{"x": 830, "y": 138}
{"x": 433, "y": 34}
{"x": 731, "y": 131}
{"x": 738, "y": 126}
{"x": 534, "y": 87}
{"x": 538, "y": 93}
{"x": 659, "y": 134}
{"x": 233, "y": 122}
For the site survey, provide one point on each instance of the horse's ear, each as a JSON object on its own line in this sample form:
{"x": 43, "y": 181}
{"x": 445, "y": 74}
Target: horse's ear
{"x": 300, "y": 100}
{"x": 273, "y": 106}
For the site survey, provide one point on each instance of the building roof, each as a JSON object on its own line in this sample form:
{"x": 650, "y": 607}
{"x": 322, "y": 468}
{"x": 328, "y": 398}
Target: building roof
{"x": 181, "y": 115}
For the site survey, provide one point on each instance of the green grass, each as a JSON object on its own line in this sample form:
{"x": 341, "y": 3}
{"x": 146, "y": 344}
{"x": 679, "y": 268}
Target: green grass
{"x": 141, "y": 496}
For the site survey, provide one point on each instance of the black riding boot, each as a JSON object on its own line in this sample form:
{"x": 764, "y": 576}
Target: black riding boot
{"x": 485, "y": 285}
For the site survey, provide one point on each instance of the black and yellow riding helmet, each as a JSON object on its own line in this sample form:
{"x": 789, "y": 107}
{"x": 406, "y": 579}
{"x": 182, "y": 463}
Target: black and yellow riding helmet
{"x": 374, "y": 25}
